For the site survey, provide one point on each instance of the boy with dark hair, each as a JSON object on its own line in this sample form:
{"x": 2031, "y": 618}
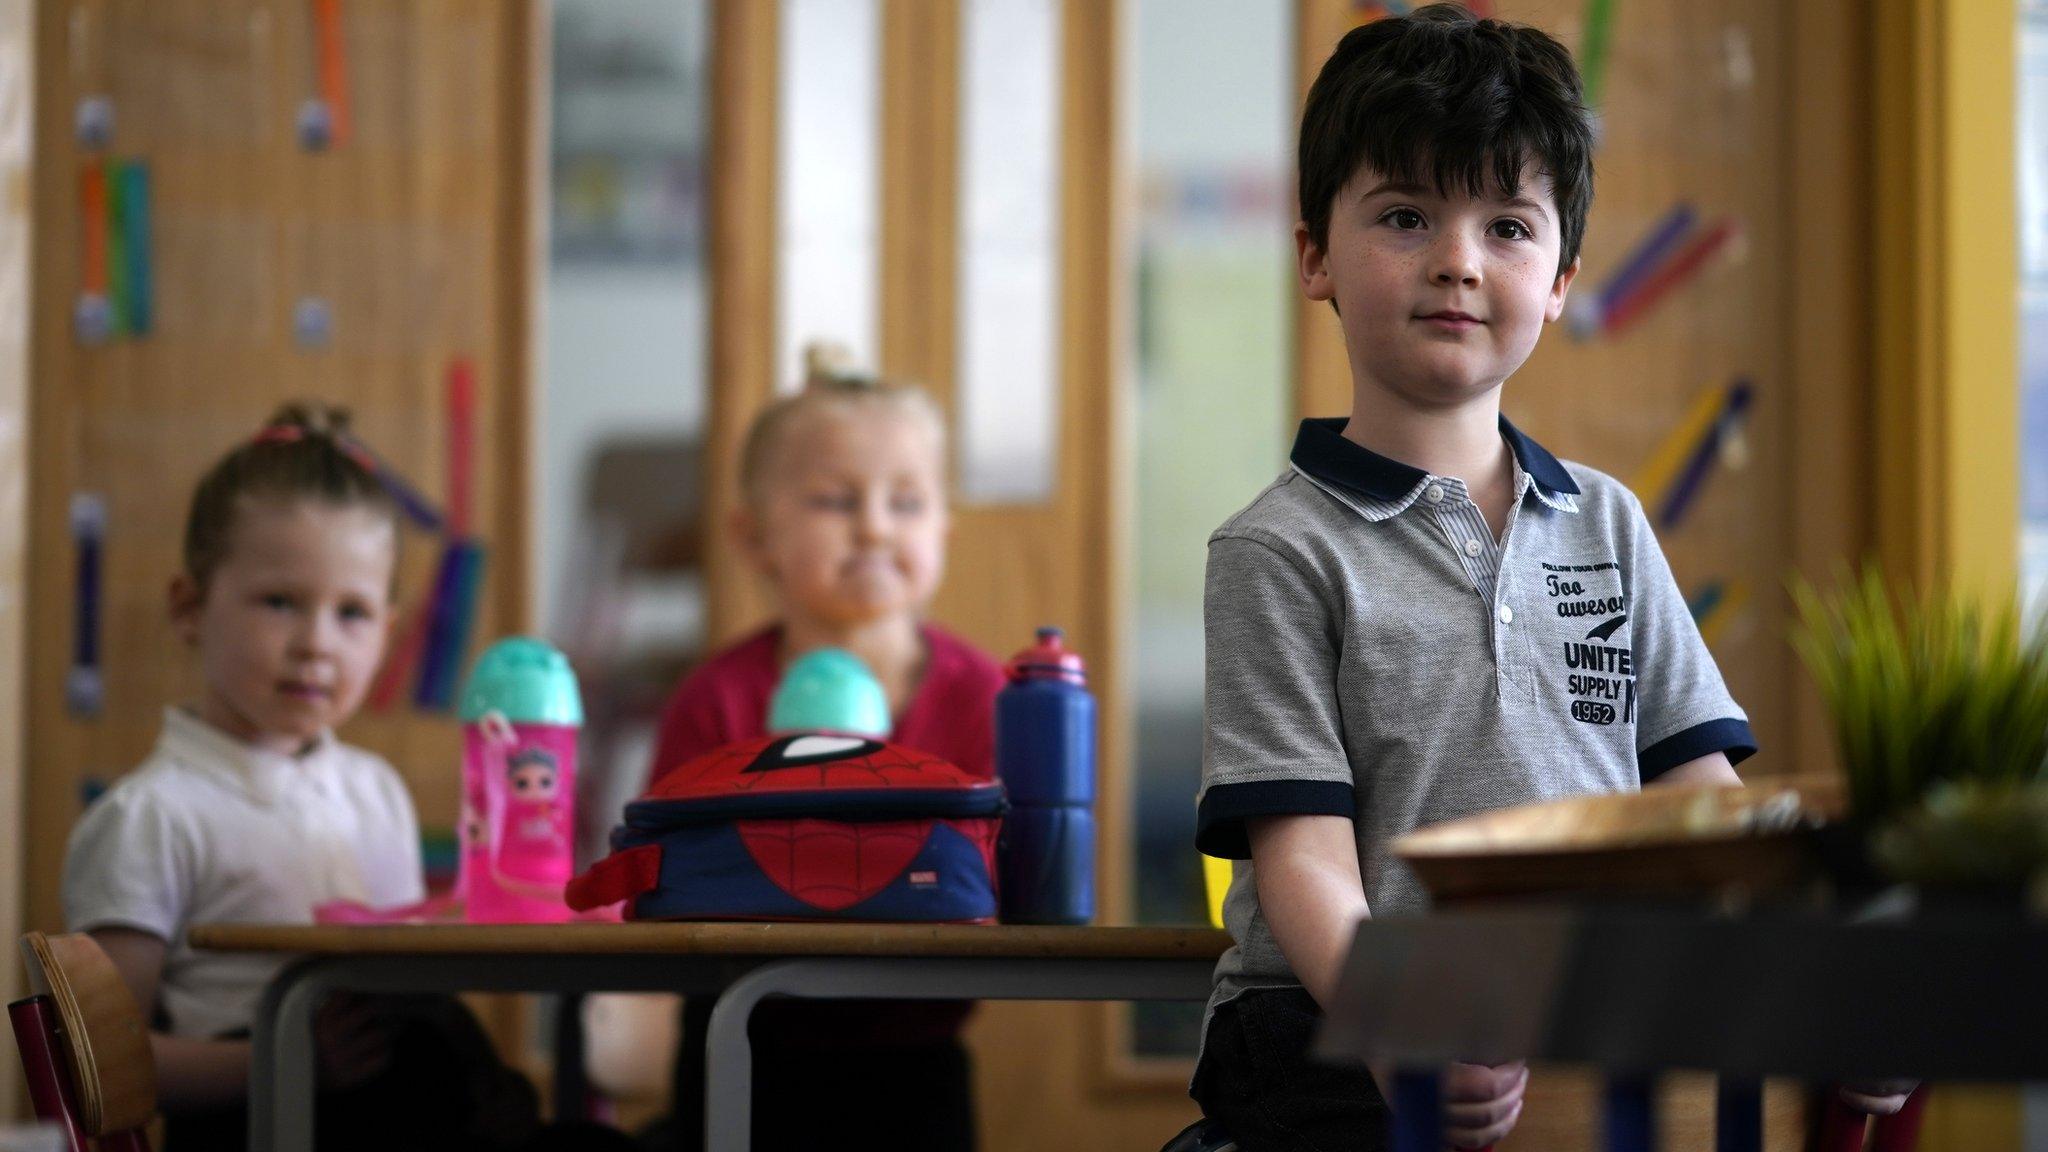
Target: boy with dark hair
{"x": 1427, "y": 615}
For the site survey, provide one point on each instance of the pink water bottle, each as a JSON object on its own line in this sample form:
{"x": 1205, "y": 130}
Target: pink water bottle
{"x": 520, "y": 712}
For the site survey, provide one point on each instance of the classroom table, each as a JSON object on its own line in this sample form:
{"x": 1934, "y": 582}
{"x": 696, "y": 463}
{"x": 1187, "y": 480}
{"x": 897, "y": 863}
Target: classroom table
{"x": 741, "y": 964}
{"x": 1942, "y": 992}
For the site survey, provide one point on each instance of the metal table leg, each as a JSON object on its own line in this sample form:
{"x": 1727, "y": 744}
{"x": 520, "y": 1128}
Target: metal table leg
{"x": 729, "y": 1071}
{"x": 282, "y": 1072}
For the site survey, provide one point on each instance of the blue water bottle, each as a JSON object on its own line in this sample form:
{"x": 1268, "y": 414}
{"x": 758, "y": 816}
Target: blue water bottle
{"x": 1045, "y": 753}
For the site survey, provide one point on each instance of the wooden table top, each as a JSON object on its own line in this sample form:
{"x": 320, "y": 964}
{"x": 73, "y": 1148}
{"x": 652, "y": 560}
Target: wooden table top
{"x": 719, "y": 939}
{"x": 1945, "y": 991}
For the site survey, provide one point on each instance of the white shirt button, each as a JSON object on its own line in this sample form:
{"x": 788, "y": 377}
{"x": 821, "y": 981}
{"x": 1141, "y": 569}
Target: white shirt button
{"x": 1507, "y": 614}
{"x": 1435, "y": 494}
{"x": 1471, "y": 547}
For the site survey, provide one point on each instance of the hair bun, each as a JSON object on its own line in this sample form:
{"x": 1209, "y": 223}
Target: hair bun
{"x": 313, "y": 418}
{"x": 829, "y": 364}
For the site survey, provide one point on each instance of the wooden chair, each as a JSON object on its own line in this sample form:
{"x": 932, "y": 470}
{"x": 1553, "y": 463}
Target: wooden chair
{"x": 84, "y": 1045}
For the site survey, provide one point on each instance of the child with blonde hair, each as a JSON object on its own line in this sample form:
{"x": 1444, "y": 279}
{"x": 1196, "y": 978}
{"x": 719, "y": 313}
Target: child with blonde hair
{"x": 844, "y": 516}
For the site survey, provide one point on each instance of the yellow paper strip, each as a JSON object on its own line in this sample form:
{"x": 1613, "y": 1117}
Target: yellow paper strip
{"x": 1655, "y": 477}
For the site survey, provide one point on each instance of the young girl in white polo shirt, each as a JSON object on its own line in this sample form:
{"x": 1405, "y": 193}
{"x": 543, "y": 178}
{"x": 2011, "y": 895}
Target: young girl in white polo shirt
{"x": 249, "y": 810}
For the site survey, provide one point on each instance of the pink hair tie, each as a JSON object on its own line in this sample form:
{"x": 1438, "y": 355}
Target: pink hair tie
{"x": 347, "y": 445}
{"x": 411, "y": 503}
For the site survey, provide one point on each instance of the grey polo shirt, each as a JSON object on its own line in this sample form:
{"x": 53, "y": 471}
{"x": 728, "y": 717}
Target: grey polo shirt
{"x": 1373, "y": 653}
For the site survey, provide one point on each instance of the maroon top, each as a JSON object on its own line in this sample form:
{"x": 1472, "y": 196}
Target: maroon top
{"x": 951, "y": 715}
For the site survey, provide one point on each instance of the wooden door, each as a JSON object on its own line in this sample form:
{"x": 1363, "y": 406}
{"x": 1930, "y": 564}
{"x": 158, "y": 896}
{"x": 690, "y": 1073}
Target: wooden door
{"x": 413, "y": 232}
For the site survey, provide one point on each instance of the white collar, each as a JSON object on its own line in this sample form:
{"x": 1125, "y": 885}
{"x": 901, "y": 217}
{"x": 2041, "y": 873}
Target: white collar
{"x": 264, "y": 775}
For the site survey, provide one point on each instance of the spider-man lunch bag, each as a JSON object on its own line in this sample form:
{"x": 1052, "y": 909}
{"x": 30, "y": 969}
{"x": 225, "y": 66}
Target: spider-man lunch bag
{"x": 805, "y": 827}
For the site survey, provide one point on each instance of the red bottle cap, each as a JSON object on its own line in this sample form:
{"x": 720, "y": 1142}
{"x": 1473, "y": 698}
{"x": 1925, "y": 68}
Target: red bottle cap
{"x": 1049, "y": 659}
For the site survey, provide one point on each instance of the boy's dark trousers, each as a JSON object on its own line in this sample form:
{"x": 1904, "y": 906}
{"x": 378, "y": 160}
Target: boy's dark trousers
{"x": 912, "y": 1097}
{"x": 444, "y": 1088}
{"x": 1257, "y": 1080}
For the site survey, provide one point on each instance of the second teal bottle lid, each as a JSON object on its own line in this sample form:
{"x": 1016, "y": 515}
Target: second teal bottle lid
{"x": 829, "y": 690}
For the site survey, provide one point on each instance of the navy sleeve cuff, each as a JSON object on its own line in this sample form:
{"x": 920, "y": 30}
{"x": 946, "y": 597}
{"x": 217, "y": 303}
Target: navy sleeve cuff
{"x": 1730, "y": 736}
{"x": 1219, "y": 824}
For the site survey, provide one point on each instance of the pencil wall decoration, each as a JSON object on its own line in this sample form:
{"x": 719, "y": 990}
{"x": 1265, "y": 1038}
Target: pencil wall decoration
{"x": 116, "y": 280}
{"x": 414, "y": 506}
{"x": 1368, "y": 11}
{"x": 93, "y": 316}
{"x": 1714, "y": 605}
{"x": 326, "y": 119}
{"x": 84, "y": 686}
{"x": 118, "y": 266}
{"x": 1588, "y": 311}
{"x": 1371, "y": 10}
{"x": 409, "y": 641}
{"x": 459, "y": 579}
{"x": 161, "y": 173}
{"x": 1711, "y": 433}
{"x": 411, "y": 632}
{"x": 1593, "y": 50}
{"x": 433, "y": 634}
{"x": 1672, "y": 254}
{"x": 130, "y": 207}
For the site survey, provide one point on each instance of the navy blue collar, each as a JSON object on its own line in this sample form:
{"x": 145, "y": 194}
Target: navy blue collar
{"x": 1321, "y": 450}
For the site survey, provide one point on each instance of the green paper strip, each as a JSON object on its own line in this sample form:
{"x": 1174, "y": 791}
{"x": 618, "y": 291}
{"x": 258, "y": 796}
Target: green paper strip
{"x": 1593, "y": 52}
{"x": 117, "y": 254}
{"x": 132, "y": 196}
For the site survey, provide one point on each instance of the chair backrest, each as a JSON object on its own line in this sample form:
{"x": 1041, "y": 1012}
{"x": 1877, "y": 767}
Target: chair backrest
{"x": 37, "y": 1037}
{"x": 651, "y": 487}
{"x": 105, "y": 1039}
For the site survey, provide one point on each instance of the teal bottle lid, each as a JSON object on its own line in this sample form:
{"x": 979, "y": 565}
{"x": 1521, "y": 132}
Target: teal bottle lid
{"x": 527, "y": 681}
{"x": 829, "y": 690}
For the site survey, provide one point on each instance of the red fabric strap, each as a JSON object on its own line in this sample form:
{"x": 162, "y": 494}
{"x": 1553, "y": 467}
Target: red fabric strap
{"x": 620, "y": 876}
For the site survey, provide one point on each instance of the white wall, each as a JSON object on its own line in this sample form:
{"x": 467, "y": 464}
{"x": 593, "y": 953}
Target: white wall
{"x": 625, "y": 358}
{"x": 623, "y": 306}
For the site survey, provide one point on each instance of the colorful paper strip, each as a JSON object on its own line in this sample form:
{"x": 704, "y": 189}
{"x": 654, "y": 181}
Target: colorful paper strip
{"x": 1682, "y": 267}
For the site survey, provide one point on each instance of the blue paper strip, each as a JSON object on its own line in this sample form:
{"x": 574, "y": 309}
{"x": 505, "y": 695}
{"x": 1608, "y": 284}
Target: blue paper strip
{"x": 1648, "y": 254}
{"x": 427, "y": 691}
{"x": 469, "y": 585}
{"x": 84, "y": 689}
{"x": 458, "y": 585}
